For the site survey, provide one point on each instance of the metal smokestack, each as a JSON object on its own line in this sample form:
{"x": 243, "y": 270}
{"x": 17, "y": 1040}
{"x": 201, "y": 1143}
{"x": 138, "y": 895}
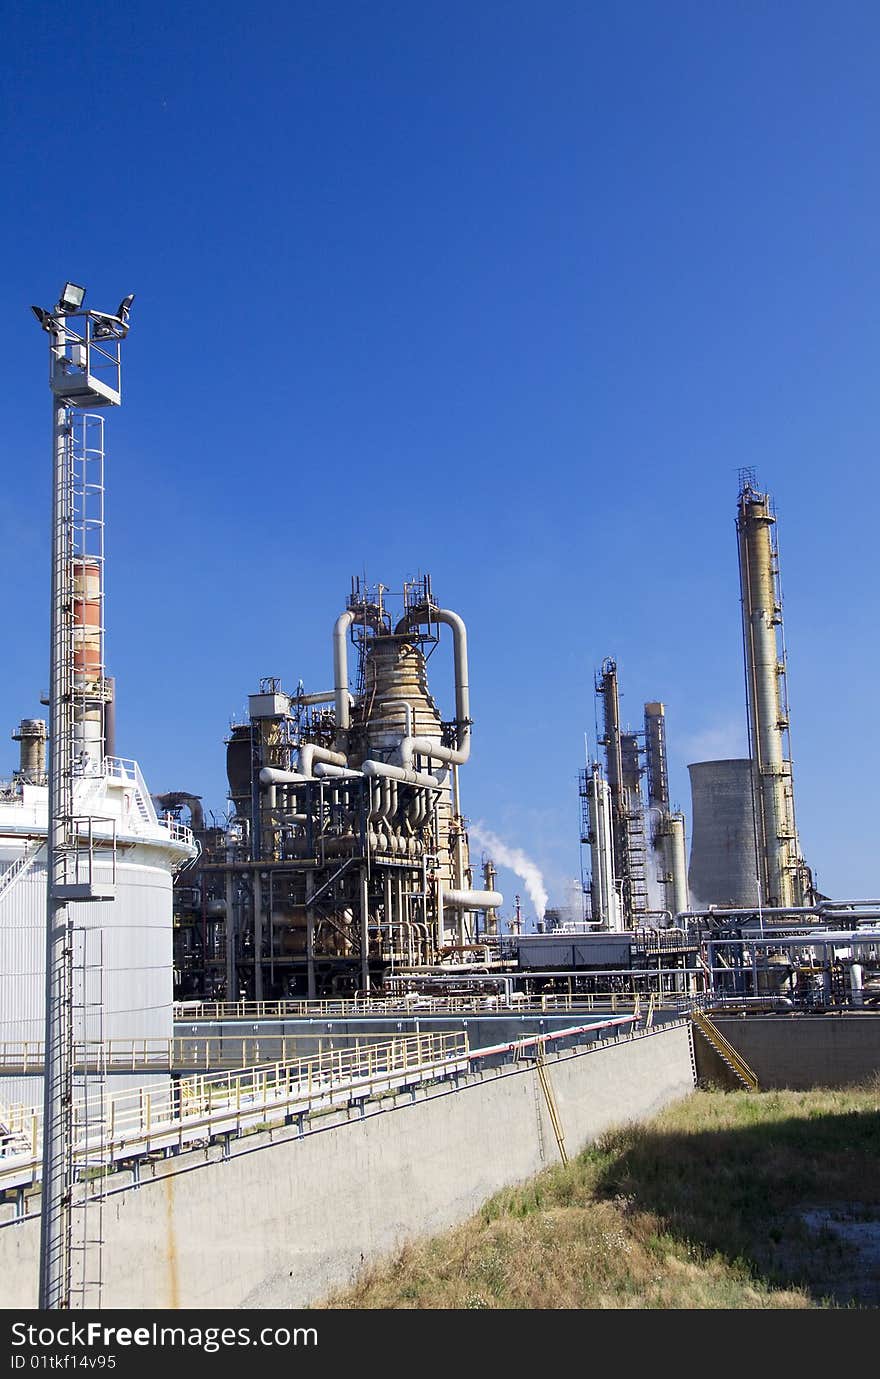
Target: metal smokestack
{"x": 655, "y": 756}
{"x": 31, "y": 734}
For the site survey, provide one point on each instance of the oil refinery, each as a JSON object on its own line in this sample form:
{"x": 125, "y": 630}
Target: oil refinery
{"x": 224, "y": 1011}
{"x": 347, "y": 852}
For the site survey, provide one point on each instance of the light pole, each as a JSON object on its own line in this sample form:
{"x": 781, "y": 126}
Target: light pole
{"x": 84, "y": 372}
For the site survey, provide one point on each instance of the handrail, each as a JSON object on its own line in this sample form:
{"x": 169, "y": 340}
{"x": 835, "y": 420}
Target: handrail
{"x": 178, "y": 1054}
{"x": 145, "y": 1118}
{"x": 206, "y": 1106}
{"x": 420, "y": 1005}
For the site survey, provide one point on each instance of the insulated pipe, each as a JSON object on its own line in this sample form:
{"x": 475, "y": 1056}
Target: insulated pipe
{"x": 750, "y": 911}
{"x": 326, "y": 768}
{"x": 847, "y": 904}
{"x": 310, "y": 752}
{"x": 340, "y": 674}
{"x": 473, "y": 900}
{"x": 382, "y": 768}
{"x": 407, "y": 711}
{"x": 426, "y": 746}
{"x": 271, "y": 775}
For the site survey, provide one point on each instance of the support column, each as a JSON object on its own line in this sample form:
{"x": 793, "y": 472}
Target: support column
{"x": 365, "y": 938}
{"x": 310, "y": 934}
{"x": 231, "y": 983}
{"x": 258, "y": 936}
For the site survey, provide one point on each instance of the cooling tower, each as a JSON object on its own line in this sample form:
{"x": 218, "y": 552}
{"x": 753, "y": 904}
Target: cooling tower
{"x": 722, "y": 870}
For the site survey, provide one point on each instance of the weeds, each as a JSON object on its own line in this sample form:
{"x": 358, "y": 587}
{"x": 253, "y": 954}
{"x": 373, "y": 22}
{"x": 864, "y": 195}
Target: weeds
{"x": 702, "y": 1207}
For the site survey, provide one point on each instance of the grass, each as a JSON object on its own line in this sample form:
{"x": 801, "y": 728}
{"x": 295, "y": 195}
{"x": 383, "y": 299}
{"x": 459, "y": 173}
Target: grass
{"x": 700, "y": 1207}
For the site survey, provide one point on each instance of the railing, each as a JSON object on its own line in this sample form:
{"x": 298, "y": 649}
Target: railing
{"x": 21, "y": 865}
{"x": 181, "y": 1053}
{"x": 197, "y": 1108}
{"x": 203, "y": 1108}
{"x": 662, "y": 940}
{"x": 177, "y": 831}
{"x": 415, "y": 1005}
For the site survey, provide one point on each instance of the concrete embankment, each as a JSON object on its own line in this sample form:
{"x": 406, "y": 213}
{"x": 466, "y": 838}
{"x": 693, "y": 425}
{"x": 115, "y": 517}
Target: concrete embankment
{"x": 798, "y": 1051}
{"x": 278, "y": 1218}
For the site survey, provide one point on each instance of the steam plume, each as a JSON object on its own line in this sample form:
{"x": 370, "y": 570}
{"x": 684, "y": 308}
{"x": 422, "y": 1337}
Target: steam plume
{"x": 517, "y": 861}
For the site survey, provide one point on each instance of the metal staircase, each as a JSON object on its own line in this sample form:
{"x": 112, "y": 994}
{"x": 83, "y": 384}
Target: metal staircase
{"x": 725, "y": 1050}
{"x": 21, "y": 865}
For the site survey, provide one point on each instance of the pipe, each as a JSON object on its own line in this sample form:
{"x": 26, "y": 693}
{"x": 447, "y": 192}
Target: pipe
{"x": 110, "y": 717}
{"x": 473, "y": 900}
{"x": 382, "y": 768}
{"x": 340, "y": 674}
{"x": 326, "y": 768}
{"x": 407, "y": 712}
{"x": 426, "y": 746}
{"x": 752, "y": 911}
{"x": 310, "y": 752}
{"x": 272, "y": 775}
{"x": 847, "y": 904}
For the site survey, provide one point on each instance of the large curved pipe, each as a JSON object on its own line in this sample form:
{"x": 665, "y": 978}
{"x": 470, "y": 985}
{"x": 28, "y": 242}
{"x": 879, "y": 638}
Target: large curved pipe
{"x": 271, "y": 775}
{"x": 310, "y": 752}
{"x": 340, "y": 673}
{"x": 425, "y": 746}
{"x": 370, "y": 615}
{"x": 382, "y": 768}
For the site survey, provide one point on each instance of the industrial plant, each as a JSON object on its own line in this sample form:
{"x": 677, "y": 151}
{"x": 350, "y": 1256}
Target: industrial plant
{"x": 242, "y": 1011}
{"x": 346, "y": 853}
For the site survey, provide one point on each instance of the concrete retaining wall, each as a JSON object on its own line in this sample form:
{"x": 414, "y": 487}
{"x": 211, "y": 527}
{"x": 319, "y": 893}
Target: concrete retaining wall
{"x": 285, "y": 1218}
{"x": 797, "y": 1051}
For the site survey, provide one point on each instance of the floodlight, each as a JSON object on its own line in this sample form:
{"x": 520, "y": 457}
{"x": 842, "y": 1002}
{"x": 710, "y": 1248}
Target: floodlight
{"x": 107, "y": 327}
{"x": 45, "y": 318}
{"x": 71, "y": 298}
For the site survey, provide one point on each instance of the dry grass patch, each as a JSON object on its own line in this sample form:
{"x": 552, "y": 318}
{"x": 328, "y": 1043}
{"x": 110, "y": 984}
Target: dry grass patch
{"x": 701, "y": 1207}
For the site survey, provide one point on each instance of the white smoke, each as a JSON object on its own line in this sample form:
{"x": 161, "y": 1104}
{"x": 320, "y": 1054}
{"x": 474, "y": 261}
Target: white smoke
{"x": 717, "y": 741}
{"x": 517, "y": 861}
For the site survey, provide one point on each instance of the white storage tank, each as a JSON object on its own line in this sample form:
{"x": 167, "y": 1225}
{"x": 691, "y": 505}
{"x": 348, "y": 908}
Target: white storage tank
{"x": 122, "y": 947}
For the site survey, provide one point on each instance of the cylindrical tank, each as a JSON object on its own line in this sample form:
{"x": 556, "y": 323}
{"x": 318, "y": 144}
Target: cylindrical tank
{"x": 238, "y": 768}
{"x": 605, "y": 900}
{"x": 122, "y": 949}
{"x": 676, "y": 864}
{"x": 723, "y": 868}
{"x": 31, "y": 734}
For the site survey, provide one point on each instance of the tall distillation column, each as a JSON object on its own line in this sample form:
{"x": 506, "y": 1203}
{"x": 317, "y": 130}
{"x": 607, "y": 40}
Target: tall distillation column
{"x": 668, "y": 833}
{"x": 622, "y": 772}
{"x": 596, "y": 830}
{"x": 782, "y": 874}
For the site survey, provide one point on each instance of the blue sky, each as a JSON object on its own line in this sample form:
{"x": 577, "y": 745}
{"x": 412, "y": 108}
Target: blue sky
{"x": 507, "y": 292}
